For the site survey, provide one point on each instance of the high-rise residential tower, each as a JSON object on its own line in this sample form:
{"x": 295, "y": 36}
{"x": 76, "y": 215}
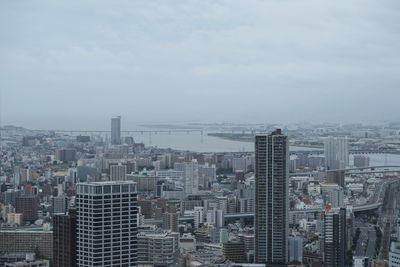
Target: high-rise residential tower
{"x": 107, "y": 223}
{"x": 191, "y": 176}
{"x": 336, "y": 153}
{"x": 272, "y": 195}
{"x": 334, "y": 237}
{"x": 116, "y": 130}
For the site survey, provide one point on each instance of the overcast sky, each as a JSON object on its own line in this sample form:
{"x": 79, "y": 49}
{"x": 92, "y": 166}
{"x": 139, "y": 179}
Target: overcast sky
{"x": 74, "y": 64}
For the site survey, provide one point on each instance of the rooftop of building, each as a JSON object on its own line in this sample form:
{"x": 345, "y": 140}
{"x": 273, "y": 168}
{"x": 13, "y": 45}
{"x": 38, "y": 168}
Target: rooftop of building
{"x": 395, "y": 247}
{"x": 24, "y": 263}
{"x": 106, "y": 183}
{"x": 26, "y": 230}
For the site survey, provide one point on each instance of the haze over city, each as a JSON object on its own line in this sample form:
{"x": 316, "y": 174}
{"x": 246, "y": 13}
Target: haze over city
{"x": 199, "y": 133}
{"x": 65, "y": 63}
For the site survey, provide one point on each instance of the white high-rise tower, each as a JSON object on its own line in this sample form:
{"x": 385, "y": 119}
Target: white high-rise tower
{"x": 107, "y": 224}
{"x": 191, "y": 176}
{"x": 336, "y": 153}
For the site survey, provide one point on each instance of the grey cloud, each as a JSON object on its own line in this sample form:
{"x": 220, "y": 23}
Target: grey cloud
{"x": 199, "y": 60}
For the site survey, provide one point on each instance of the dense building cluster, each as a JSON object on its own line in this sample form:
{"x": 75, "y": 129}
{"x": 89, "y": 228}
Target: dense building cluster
{"x": 93, "y": 201}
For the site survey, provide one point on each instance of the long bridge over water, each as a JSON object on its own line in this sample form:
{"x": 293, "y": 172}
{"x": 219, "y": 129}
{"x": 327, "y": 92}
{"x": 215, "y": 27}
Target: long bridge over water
{"x": 128, "y": 132}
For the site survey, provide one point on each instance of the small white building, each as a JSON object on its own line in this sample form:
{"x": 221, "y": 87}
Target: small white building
{"x": 394, "y": 255}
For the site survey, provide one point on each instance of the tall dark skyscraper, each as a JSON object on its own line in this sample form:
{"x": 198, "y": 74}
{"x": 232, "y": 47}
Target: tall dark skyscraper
{"x": 334, "y": 237}
{"x": 64, "y": 239}
{"x": 272, "y": 195}
{"x": 116, "y": 130}
{"x": 107, "y": 223}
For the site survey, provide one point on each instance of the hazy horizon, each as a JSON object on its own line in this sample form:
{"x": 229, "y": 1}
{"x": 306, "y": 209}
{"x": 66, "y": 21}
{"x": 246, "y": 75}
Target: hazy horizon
{"x": 76, "y": 64}
{"x": 127, "y": 124}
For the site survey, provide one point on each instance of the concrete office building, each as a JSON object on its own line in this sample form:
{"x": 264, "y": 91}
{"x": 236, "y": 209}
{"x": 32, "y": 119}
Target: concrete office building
{"x": 7, "y": 209}
{"x": 15, "y": 218}
{"x": 359, "y": 261}
{"x": 334, "y": 197}
{"x": 14, "y": 257}
{"x": 361, "y": 161}
{"x": 234, "y": 251}
{"x": 116, "y": 130}
{"x": 144, "y": 182}
{"x": 246, "y": 205}
{"x": 239, "y": 164}
{"x": 28, "y": 261}
{"x": 336, "y": 153}
{"x": 28, "y": 206}
{"x": 199, "y": 217}
{"x": 334, "y": 254}
{"x": 35, "y": 263}
{"x": 107, "y": 223}
{"x": 158, "y": 249}
{"x": 394, "y": 254}
{"x": 11, "y": 195}
{"x": 24, "y": 175}
{"x": 222, "y": 203}
{"x": 187, "y": 242}
{"x": 296, "y": 249}
{"x": 191, "y": 176}
{"x": 336, "y": 177}
{"x": 130, "y": 165}
{"x": 170, "y": 221}
{"x": 272, "y": 194}
{"x": 215, "y": 217}
{"x": 66, "y": 155}
{"x": 64, "y": 241}
{"x": 172, "y": 174}
{"x": 207, "y": 175}
{"x": 59, "y": 204}
{"x": 248, "y": 240}
{"x": 118, "y": 172}
{"x": 30, "y": 240}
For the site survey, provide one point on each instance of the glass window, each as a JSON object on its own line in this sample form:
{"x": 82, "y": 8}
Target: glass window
{"x": 116, "y": 188}
{"x": 107, "y": 189}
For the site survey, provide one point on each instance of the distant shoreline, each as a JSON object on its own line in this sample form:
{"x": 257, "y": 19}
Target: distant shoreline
{"x": 250, "y": 139}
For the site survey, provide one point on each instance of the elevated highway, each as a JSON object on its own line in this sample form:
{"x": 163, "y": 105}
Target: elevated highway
{"x": 360, "y": 170}
{"x": 374, "y": 203}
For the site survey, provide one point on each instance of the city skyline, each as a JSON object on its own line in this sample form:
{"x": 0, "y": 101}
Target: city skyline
{"x": 199, "y": 133}
{"x": 140, "y": 204}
